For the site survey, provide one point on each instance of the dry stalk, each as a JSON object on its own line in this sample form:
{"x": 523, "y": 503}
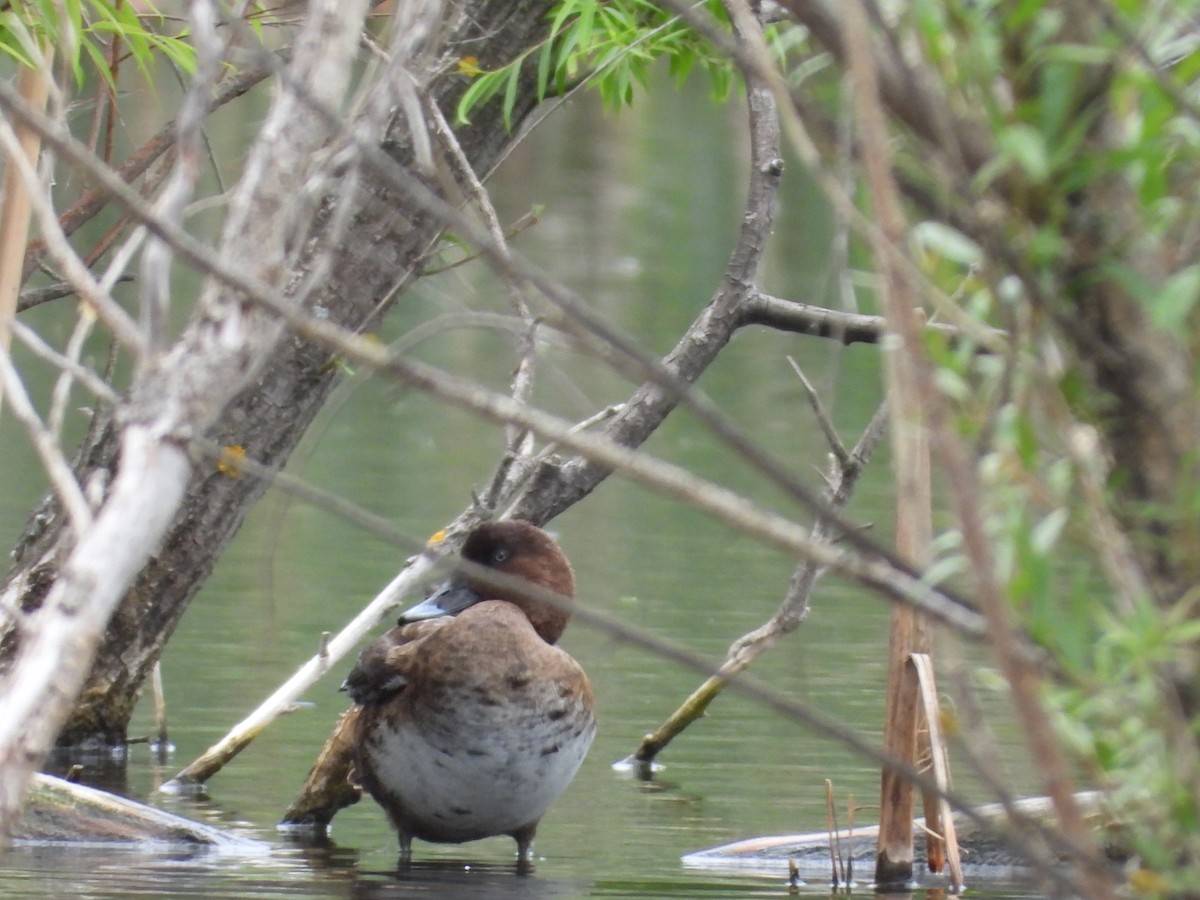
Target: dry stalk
{"x": 837, "y": 863}
{"x": 1020, "y": 673}
{"x": 33, "y": 85}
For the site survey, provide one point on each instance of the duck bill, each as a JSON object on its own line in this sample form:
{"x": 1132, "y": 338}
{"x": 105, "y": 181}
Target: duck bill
{"x": 448, "y": 600}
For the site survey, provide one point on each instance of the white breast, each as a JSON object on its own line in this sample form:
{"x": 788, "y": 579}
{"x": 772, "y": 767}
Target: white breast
{"x": 481, "y": 772}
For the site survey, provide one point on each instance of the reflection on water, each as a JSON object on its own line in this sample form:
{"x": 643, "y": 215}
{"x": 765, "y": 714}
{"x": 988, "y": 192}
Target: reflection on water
{"x": 103, "y": 873}
{"x": 639, "y": 213}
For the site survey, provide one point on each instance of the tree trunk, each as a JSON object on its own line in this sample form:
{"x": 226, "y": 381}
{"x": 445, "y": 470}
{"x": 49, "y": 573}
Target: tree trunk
{"x": 385, "y": 242}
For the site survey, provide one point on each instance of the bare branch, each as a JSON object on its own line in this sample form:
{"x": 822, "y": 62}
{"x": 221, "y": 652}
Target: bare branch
{"x": 44, "y": 442}
{"x": 75, "y": 271}
{"x": 792, "y": 611}
{"x": 85, "y": 376}
{"x": 823, "y": 420}
{"x": 136, "y": 165}
{"x": 180, "y": 185}
{"x": 849, "y": 327}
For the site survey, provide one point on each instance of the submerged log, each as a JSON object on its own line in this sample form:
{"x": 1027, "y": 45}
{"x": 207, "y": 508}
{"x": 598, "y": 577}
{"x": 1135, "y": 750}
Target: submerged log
{"x": 331, "y": 783}
{"x": 986, "y": 853}
{"x": 63, "y": 812}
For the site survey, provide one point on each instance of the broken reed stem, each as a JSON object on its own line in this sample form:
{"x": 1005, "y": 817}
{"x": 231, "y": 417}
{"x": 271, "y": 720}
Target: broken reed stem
{"x": 914, "y": 529}
{"x": 944, "y": 838}
{"x": 162, "y": 740}
{"x": 836, "y": 863}
{"x": 849, "y": 839}
{"x": 794, "y": 881}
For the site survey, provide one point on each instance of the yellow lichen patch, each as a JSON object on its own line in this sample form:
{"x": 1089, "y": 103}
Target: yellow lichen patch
{"x": 1147, "y": 883}
{"x": 230, "y": 461}
{"x": 437, "y": 537}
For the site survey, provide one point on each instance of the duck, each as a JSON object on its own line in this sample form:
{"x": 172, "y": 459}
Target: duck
{"x": 473, "y": 721}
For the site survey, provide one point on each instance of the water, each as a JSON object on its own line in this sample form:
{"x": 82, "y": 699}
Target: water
{"x": 639, "y": 214}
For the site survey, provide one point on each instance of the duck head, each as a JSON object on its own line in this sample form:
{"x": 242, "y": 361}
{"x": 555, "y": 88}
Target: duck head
{"x": 517, "y": 549}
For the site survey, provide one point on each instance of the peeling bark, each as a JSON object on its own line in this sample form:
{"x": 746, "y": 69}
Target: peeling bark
{"x": 175, "y": 394}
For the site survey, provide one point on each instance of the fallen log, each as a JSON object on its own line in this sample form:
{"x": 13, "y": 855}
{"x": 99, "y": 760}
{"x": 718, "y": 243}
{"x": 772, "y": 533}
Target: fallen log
{"x": 64, "y": 812}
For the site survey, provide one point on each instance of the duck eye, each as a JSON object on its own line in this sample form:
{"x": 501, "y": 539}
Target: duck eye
{"x": 501, "y": 554}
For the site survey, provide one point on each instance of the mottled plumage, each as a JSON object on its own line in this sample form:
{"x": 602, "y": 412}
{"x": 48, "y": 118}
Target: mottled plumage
{"x": 473, "y": 725}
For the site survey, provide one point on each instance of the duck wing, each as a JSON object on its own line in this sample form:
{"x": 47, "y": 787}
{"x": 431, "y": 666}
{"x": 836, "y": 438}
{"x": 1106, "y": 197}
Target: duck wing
{"x": 383, "y": 665}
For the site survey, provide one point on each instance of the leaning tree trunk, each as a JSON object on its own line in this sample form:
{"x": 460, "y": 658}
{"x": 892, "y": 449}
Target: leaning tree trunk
{"x": 385, "y": 243}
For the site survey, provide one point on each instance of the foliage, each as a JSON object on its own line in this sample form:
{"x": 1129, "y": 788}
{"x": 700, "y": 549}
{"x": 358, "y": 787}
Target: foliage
{"x": 80, "y": 31}
{"x": 614, "y": 46}
{"x": 1078, "y": 109}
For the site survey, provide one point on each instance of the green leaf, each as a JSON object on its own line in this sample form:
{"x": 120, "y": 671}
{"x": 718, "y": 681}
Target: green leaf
{"x": 1173, "y": 303}
{"x": 947, "y": 242}
{"x": 565, "y": 11}
{"x": 510, "y": 95}
{"x": 1047, "y": 532}
{"x": 81, "y": 31}
{"x": 545, "y": 66}
{"x": 1078, "y": 54}
{"x": 942, "y": 570}
{"x": 482, "y": 90}
{"x": 585, "y": 22}
{"x": 1024, "y": 146}
{"x": 100, "y": 63}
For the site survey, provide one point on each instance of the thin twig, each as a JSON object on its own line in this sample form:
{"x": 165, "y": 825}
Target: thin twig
{"x": 140, "y": 160}
{"x": 62, "y": 384}
{"x": 73, "y": 269}
{"x": 517, "y": 446}
{"x": 180, "y": 185}
{"x": 823, "y": 419}
{"x": 55, "y": 464}
{"x": 99, "y": 386}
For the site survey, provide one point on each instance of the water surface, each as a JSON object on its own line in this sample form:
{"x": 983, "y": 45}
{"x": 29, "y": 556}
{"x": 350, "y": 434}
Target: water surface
{"x": 639, "y": 212}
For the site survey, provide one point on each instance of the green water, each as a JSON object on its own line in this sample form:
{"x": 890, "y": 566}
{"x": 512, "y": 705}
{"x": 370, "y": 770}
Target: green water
{"x": 638, "y": 216}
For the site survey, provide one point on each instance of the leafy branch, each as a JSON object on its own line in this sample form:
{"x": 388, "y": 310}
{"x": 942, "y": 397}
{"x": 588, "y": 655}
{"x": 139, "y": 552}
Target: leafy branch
{"x": 613, "y": 46}
{"x": 80, "y": 29}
